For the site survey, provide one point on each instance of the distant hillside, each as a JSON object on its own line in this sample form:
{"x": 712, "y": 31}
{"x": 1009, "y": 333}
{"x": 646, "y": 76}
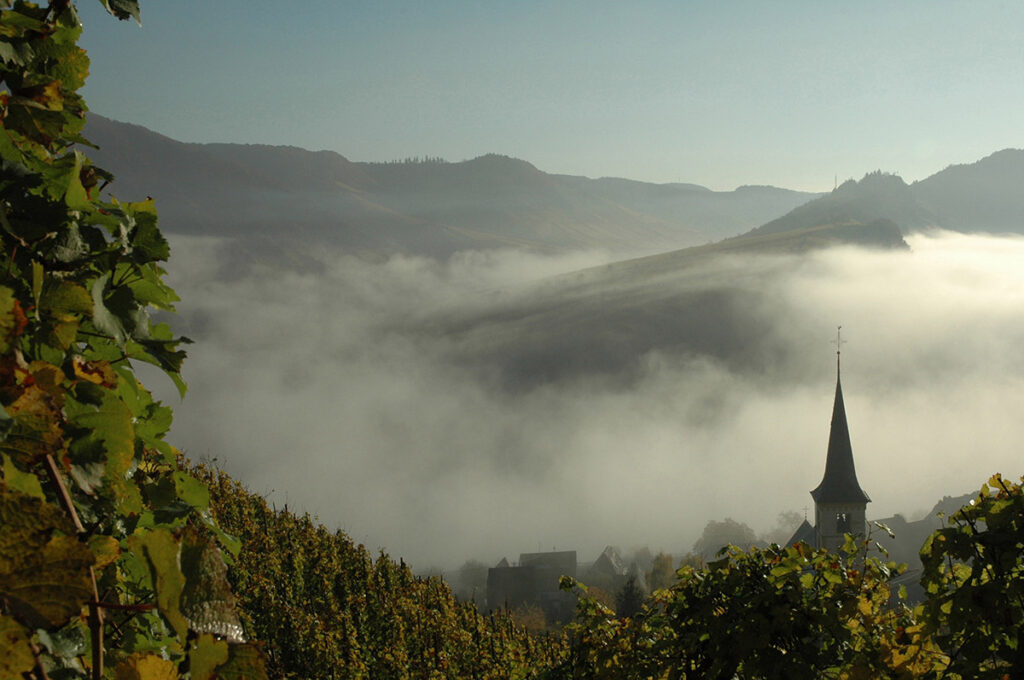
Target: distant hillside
{"x": 277, "y": 193}
{"x": 981, "y": 196}
{"x": 712, "y": 301}
{"x": 877, "y": 196}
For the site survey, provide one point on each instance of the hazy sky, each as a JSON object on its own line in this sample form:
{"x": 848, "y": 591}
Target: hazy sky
{"x": 719, "y": 94}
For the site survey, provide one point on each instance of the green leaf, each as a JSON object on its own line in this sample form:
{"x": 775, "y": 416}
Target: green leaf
{"x": 17, "y": 23}
{"x": 146, "y": 284}
{"x": 62, "y": 305}
{"x": 245, "y": 662}
{"x": 206, "y": 654}
{"x": 148, "y": 244}
{"x": 106, "y": 549}
{"x": 162, "y": 550}
{"x": 9, "y": 318}
{"x": 15, "y": 53}
{"x": 191, "y": 490}
{"x": 145, "y": 667}
{"x": 107, "y": 429}
{"x": 25, "y": 482}
{"x": 151, "y": 423}
{"x": 102, "y": 317}
{"x": 123, "y": 9}
{"x": 67, "y": 298}
{"x": 786, "y": 567}
{"x": 230, "y": 543}
{"x": 15, "y": 653}
{"x": 76, "y": 197}
{"x": 122, "y": 304}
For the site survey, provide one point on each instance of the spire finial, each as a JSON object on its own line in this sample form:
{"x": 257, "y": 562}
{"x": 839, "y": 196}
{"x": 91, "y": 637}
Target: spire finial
{"x": 839, "y": 346}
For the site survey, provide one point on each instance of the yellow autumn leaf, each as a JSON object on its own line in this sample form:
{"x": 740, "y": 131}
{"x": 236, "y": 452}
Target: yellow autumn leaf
{"x": 145, "y": 667}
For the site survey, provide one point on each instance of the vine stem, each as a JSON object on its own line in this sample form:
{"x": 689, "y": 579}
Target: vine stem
{"x": 40, "y": 669}
{"x": 95, "y": 613}
{"x": 122, "y": 607}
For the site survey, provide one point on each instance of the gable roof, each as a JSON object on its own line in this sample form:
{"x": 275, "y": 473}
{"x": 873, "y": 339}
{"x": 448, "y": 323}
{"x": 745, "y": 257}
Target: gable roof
{"x": 803, "y": 534}
{"x": 839, "y": 485}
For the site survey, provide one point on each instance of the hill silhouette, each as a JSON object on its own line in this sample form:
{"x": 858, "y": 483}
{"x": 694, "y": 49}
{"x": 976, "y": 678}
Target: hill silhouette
{"x": 876, "y": 196}
{"x": 276, "y": 193}
{"x": 976, "y": 197}
{"x": 980, "y": 196}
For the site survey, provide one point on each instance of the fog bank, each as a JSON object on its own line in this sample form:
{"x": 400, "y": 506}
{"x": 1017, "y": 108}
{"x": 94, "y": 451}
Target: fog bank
{"x": 369, "y": 394}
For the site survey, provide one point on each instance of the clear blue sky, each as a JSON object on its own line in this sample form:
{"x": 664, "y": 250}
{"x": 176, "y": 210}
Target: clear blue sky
{"x": 715, "y": 93}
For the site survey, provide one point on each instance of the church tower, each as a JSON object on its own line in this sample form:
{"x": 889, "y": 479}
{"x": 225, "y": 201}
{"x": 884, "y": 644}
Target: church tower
{"x": 840, "y": 505}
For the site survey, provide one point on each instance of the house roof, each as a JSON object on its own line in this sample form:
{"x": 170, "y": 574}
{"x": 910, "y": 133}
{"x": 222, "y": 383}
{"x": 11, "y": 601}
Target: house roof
{"x": 803, "y": 534}
{"x": 839, "y": 485}
{"x": 609, "y": 562}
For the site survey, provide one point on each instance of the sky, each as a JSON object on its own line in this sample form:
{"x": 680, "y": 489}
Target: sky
{"x": 794, "y": 94}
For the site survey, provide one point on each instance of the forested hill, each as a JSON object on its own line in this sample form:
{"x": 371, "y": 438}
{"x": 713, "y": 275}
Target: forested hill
{"x": 429, "y": 207}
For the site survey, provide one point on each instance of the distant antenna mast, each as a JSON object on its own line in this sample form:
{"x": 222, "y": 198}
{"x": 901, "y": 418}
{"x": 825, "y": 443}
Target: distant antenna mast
{"x": 835, "y": 182}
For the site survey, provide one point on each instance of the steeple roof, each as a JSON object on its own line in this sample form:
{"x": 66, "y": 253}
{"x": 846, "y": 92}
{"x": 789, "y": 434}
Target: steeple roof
{"x": 839, "y": 485}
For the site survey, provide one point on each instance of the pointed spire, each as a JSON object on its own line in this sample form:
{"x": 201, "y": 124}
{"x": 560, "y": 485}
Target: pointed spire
{"x": 839, "y": 485}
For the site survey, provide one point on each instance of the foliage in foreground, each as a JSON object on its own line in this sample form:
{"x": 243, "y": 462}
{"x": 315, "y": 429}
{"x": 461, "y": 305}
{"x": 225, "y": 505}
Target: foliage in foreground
{"x": 325, "y": 608}
{"x": 110, "y": 563}
{"x": 974, "y": 579}
{"x": 799, "y": 612}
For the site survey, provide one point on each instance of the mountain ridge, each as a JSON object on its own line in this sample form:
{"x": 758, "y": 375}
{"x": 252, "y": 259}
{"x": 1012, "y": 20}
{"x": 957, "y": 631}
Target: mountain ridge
{"x": 982, "y": 196}
{"x": 430, "y": 208}
{"x": 276, "y": 194}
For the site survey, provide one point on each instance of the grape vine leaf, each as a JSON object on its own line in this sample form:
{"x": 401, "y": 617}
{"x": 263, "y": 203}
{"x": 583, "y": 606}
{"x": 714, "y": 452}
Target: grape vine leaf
{"x": 15, "y": 653}
{"x": 145, "y": 667}
{"x": 206, "y": 655}
{"x": 108, "y": 429}
{"x": 123, "y": 9}
{"x": 25, "y": 482}
{"x": 162, "y": 550}
{"x": 106, "y": 550}
{"x": 44, "y": 576}
{"x": 10, "y": 324}
{"x": 245, "y": 662}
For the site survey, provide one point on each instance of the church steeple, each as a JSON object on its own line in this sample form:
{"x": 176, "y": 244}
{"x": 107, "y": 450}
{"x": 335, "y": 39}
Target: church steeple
{"x": 839, "y": 485}
{"x": 840, "y": 504}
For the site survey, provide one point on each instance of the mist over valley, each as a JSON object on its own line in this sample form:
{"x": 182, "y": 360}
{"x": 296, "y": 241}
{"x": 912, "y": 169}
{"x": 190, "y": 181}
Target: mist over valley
{"x": 487, "y": 404}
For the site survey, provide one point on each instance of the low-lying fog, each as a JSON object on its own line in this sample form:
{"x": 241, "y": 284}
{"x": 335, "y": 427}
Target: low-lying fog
{"x": 376, "y": 395}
